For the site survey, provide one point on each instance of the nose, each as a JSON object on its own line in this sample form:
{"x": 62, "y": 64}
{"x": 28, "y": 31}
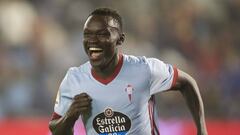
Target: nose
{"x": 92, "y": 38}
{"x": 92, "y": 41}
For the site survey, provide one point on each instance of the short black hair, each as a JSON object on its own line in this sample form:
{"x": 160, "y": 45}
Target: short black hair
{"x": 108, "y": 12}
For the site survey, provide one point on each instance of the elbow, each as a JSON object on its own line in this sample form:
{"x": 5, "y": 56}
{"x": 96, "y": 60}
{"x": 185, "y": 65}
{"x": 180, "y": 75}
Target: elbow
{"x": 50, "y": 126}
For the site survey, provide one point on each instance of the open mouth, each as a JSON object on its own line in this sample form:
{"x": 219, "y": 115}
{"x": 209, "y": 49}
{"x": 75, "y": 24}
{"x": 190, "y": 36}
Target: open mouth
{"x": 95, "y": 53}
{"x": 94, "y": 49}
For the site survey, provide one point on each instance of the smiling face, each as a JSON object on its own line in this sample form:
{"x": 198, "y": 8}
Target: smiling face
{"x": 100, "y": 40}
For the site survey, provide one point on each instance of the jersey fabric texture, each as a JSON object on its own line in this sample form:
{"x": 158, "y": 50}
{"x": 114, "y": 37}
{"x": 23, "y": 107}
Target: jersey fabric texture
{"x": 123, "y": 103}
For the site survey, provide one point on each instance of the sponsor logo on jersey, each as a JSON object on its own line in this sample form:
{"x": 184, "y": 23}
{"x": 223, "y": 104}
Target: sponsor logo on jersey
{"x": 111, "y": 122}
{"x": 129, "y": 91}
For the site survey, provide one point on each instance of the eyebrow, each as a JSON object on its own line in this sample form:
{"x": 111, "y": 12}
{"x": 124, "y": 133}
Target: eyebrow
{"x": 115, "y": 28}
{"x": 87, "y": 30}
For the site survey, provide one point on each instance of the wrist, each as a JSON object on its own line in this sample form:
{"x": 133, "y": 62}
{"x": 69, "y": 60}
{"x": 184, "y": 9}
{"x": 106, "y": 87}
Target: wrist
{"x": 69, "y": 120}
{"x": 202, "y": 131}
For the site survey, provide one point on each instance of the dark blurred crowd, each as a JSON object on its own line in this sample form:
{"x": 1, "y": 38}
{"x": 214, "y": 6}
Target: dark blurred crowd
{"x": 41, "y": 39}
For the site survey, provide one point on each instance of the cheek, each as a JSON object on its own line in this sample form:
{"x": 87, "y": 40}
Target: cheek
{"x": 84, "y": 42}
{"x": 110, "y": 51}
{"x": 105, "y": 40}
{"x": 85, "y": 46}
{"x": 110, "y": 40}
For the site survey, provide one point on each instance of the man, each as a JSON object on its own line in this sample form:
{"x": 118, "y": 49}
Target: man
{"x": 113, "y": 92}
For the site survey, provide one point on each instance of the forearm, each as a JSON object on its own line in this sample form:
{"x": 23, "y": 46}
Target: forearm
{"x": 191, "y": 94}
{"x": 195, "y": 104}
{"x": 62, "y": 126}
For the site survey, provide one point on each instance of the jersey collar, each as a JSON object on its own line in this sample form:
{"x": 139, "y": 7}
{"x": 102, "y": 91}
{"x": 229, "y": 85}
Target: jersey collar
{"x": 112, "y": 76}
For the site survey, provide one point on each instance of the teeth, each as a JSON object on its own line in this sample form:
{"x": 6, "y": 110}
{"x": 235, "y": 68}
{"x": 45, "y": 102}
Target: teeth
{"x": 95, "y": 49}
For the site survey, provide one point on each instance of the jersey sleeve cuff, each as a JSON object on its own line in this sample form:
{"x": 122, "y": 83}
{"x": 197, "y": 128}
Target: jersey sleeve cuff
{"x": 55, "y": 116}
{"x": 175, "y": 76}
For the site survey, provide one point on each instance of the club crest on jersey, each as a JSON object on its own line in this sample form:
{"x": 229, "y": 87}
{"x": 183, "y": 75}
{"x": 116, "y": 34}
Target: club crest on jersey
{"x": 111, "y": 122}
{"x": 129, "y": 91}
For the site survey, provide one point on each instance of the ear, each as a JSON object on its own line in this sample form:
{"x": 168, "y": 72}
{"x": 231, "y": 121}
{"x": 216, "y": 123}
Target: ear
{"x": 121, "y": 39}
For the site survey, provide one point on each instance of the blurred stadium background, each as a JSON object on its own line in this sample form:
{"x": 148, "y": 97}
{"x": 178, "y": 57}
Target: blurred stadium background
{"x": 41, "y": 39}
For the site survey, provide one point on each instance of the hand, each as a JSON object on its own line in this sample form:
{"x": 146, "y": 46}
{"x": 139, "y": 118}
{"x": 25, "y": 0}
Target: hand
{"x": 81, "y": 105}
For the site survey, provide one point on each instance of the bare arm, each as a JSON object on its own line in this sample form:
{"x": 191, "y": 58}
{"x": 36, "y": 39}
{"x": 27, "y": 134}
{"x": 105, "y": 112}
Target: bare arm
{"x": 81, "y": 105}
{"x": 62, "y": 126}
{"x": 190, "y": 91}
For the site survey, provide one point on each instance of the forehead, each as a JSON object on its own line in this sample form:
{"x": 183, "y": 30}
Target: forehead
{"x": 100, "y": 22}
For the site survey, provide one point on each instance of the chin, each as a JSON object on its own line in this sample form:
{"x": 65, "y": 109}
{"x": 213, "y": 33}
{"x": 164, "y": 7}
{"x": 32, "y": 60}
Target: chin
{"x": 96, "y": 63}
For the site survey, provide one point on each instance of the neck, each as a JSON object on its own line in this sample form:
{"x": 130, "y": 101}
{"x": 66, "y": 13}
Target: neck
{"x": 109, "y": 68}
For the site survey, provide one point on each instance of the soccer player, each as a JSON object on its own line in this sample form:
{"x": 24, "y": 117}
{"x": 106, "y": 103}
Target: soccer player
{"x": 113, "y": 92}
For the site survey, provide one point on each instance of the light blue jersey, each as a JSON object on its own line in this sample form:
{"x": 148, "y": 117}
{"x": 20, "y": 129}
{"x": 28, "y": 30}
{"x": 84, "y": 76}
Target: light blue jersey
{"x": 120, "y": 103}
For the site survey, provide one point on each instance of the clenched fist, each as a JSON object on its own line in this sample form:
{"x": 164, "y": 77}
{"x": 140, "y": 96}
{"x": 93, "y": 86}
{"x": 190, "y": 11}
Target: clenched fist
{"x": 81, "y": 105}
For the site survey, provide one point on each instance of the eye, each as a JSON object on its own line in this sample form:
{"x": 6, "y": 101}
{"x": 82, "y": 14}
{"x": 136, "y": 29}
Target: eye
{"x": 86, "y": 33}
{"x": 103, "y": 33}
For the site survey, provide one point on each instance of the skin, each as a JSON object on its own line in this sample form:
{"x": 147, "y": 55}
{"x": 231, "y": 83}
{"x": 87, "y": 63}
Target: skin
{"x": 104, "y": 32}
{"x": 188, "y": 87}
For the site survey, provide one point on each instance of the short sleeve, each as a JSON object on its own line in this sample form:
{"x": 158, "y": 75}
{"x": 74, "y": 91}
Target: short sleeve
{"x": 64, "y": 98}
{"x": 163, "y": 76}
